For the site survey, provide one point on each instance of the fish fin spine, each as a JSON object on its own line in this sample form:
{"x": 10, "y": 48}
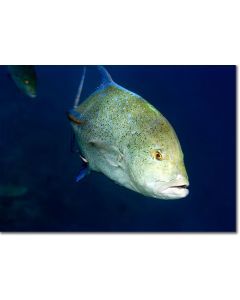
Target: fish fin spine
{"x": 80, "y": 87}
{"x": 106, "y": 77}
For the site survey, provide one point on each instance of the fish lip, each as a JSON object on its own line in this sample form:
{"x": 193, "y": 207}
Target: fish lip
{"x": 180, "y": 186}
{"x": 181, "y": 183}
{"x": 176, "y": 191}
{"x": 33, "y": 95}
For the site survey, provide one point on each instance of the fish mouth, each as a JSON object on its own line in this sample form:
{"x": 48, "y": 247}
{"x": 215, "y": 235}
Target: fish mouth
{"x": 32, "y": 95}
{"x": 176, "y": 191}
{"x": 183, "y": 186}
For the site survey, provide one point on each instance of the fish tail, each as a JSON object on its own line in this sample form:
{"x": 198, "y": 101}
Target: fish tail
{"x": 77, "y": 99}
{"x": 106, "y": 77}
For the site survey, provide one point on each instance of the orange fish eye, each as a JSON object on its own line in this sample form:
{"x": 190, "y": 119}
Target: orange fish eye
{"x": 156, "y": 154}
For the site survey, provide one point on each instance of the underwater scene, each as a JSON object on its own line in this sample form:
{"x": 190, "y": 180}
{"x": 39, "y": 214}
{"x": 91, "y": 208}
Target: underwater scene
{"x": 118, "y": 148}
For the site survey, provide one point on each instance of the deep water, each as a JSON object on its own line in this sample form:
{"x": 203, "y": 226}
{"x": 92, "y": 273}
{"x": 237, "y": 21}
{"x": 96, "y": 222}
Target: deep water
{"x": 200, "y": 103}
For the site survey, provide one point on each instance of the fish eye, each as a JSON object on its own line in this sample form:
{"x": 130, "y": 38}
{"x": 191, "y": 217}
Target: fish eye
{"x": 156, "y": 154}
{"x": 26, "y": 81}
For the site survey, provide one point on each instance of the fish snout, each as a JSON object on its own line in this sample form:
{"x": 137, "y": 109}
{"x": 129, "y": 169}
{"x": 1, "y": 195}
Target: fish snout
{"x": 181, "y": 180}
{"x": 33, "y": 95}
{"x": 177, "y": 188}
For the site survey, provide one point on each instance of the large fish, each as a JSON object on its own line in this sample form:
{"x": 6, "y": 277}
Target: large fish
{"x": 123, "y": 136}
{"x": 25, "y": 79}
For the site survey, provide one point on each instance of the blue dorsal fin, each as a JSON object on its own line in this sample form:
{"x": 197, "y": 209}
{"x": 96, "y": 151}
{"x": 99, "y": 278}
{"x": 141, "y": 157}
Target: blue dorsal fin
{"x": 106, "y": 77}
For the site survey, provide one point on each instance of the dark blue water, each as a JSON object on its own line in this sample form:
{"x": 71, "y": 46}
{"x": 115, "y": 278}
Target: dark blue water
{"x": 200, "y": 103}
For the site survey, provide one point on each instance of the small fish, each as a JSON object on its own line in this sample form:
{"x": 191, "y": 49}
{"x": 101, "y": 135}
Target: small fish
{"x": 126, "y": 138}
{"x": 11, "y": 190}
{"x": 25, "y": 79}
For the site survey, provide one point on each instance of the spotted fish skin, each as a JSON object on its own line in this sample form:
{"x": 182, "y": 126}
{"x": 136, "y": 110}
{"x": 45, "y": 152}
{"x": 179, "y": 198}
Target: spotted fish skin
{"x": 120, "y": 131}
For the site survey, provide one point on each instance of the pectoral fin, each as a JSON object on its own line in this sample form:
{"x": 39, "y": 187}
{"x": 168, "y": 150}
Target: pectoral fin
{"x": 83, "y": 171}
{"x": 75, "y": 117}
{"x": 110, "y": 153}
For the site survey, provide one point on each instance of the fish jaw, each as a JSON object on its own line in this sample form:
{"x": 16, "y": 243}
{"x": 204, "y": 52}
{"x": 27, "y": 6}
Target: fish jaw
{"x": 174, "y": 193}
{"x": 29, "y": 90}
{"x": 176, "y": 189}
{"x": 32, "y": 95}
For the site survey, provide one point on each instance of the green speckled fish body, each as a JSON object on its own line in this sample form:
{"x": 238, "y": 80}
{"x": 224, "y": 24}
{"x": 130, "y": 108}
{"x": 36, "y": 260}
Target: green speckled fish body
{"x": 130, "y": 141}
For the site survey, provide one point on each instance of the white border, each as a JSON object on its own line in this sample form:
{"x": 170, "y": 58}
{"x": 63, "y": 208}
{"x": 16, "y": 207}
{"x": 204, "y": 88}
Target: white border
{"x": 165, "y": 266}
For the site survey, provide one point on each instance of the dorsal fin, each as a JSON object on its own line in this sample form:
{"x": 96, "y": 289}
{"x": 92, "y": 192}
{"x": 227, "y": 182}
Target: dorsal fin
{"x": 106, "y": 77}
{"x": 77, "y": 99}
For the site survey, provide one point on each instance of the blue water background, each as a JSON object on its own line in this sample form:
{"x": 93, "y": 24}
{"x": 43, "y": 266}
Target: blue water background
{"x": 199, "y": 102}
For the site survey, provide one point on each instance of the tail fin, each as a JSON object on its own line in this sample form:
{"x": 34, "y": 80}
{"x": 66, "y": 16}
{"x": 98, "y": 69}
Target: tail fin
{"x": 77, "y": 99}
{"x": 106, "y": 77}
